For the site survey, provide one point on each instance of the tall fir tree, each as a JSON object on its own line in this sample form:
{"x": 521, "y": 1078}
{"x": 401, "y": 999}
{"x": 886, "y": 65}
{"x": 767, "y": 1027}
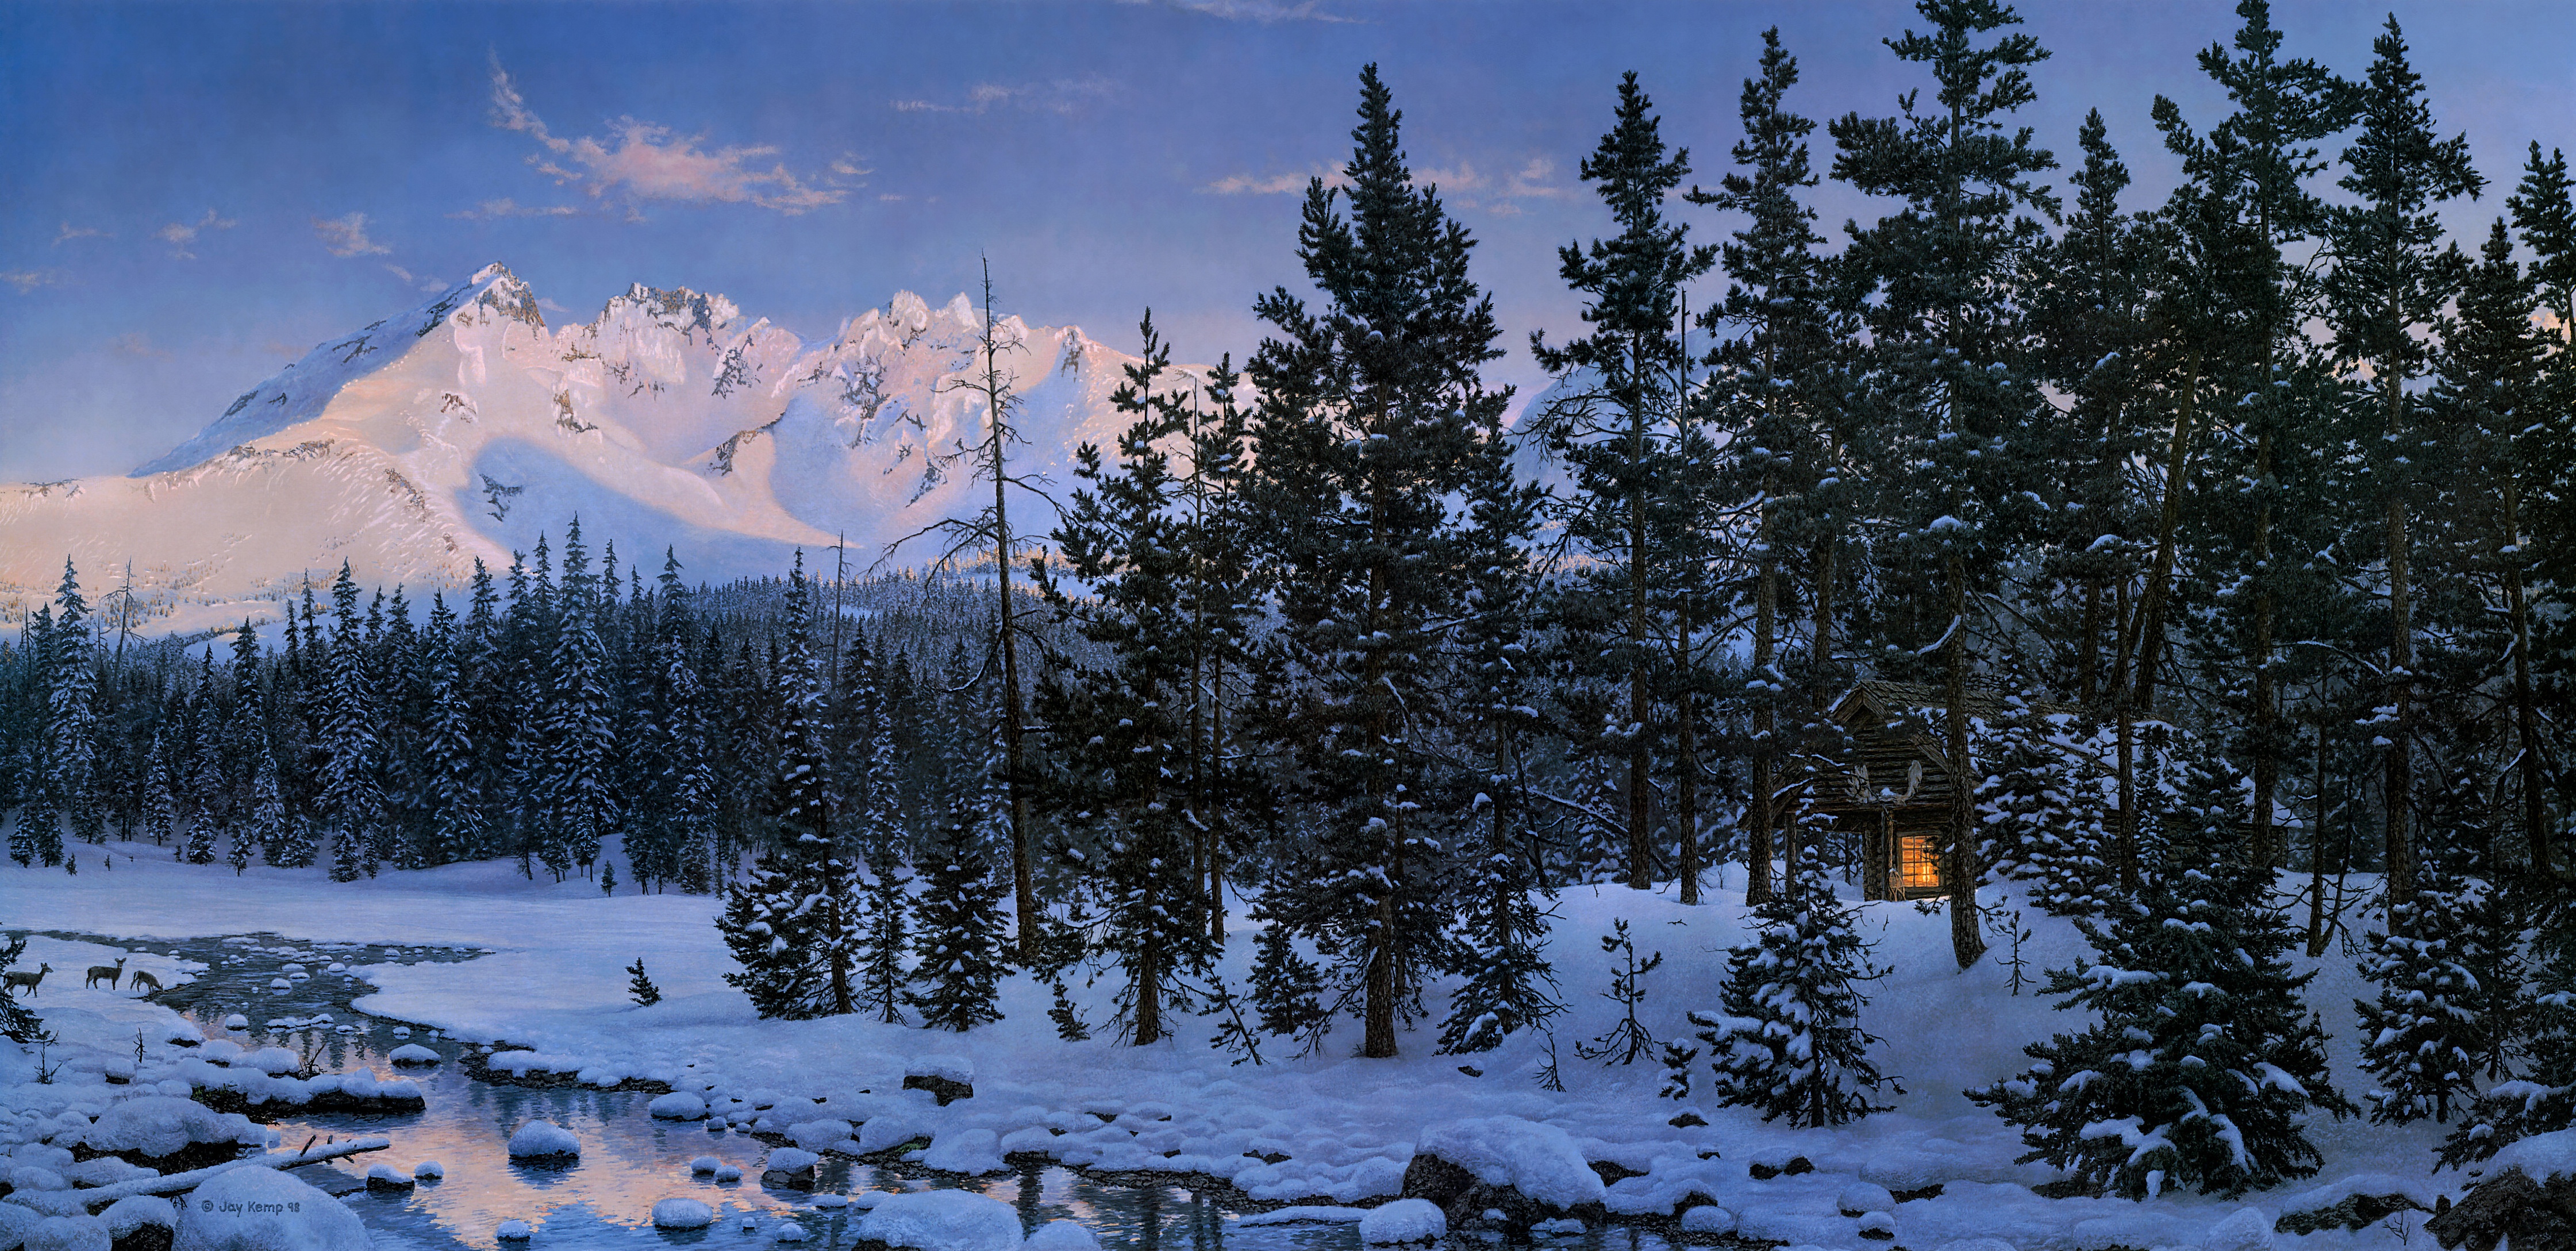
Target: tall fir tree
{"x": 1616, "y": 419}
{"x": 2444, "y": 971}
{"x": 1370, "y": 422}
{"x": 456, "y": 828}
{"x": 71, "y": 712}
{"x": 580, "y": 731}
{"x": 2386, "y": 291}
{"x": 1773, "y": 393}
{"x": 1937, "y": 282}
{"x": 351, "y": 800}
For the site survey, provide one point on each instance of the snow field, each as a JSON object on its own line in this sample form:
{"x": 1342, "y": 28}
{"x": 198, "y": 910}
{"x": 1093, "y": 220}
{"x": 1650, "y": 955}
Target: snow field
{"x": 1325, "y": 1130}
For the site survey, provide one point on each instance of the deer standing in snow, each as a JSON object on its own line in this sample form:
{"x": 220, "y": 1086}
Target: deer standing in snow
{"x": 143, "y": 978}
{"x": 110, "y": 972}
{"x": 28, "y": 980}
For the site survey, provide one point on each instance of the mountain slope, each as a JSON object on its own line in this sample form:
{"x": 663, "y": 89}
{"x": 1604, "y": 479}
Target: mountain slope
{"x": 466, "y": 427}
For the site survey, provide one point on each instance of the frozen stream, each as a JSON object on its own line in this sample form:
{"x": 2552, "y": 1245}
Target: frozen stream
{"x": 629, "y": 1160}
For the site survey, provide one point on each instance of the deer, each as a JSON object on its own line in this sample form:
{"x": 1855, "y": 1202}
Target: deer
{"x": 143, "y": 978}
{"x": 28, "y": 980}
{"x": 110, "y": 972}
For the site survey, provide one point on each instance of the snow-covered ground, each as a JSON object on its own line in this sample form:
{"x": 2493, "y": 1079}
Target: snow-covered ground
{"x": 1345, "y": 1127}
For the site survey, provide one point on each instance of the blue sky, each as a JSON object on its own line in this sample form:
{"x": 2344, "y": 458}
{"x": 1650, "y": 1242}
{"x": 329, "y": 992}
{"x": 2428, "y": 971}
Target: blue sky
{"x": 197, "y": 194}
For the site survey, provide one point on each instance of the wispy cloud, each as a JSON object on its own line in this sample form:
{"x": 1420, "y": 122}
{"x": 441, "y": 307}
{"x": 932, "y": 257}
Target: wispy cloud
{"x": 1061, "y": 96}
{"x": 1463, "y": 185}
{"x": 1262, "y": 11}
{"x": 70, "y": 232}
{"x": 137, "y": 344}
{"x": 347, "y": 236}
{"x": 26, "y": 280}
{"x": 1276, "y": 184}
{"x": 494, "y": 210}
{"x": 641, "y": 161}
{"x": 421, "y": 281}
{"x": 180, "y": 235}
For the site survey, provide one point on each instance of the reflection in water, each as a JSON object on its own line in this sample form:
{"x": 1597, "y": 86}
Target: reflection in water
{"x": 630, "y": 1160}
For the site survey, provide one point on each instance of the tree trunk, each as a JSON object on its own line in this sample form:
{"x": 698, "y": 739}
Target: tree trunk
{"x": 2399, "y": 788}
{"x": 2269, "y": 850}
{"x": 2526, "y": 713}
{"x": 1961, "y": 865}
{"x": 1149, "y": 1001}
{"x": 1765, "y": 816}
{"x": 1023, "y": 886}
{"x": 2317, "y": 853}
{"x": 2149, "y": 623}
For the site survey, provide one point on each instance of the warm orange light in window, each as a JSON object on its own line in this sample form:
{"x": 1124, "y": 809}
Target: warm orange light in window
{"x": 1918, "y": 864}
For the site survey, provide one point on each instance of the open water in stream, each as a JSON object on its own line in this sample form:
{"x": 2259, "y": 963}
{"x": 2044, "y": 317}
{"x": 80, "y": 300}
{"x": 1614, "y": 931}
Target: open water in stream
{"x": 629, "y": 1160}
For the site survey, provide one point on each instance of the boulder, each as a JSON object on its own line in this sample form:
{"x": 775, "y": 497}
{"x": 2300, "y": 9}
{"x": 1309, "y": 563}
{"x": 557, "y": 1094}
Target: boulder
{"x": 679, "y": 1105}
{"x": 682, "y": 1213}
{"x": 1519, "y": 1171}
{"x": 941, "y": 1220}
{"x": 2247, "y": 1230}
{"x": 262, "y": 1209}
{"x": 2510, "y": 1209}
{"x": 1707, "y": 1220}
{"x": 544, "y": 1140}
{"x": 70, "y": 1233}
{"x": 1062, "y": 1235}
{"x": 1402, "y": 1221}
{"x": 947, "y": 1078}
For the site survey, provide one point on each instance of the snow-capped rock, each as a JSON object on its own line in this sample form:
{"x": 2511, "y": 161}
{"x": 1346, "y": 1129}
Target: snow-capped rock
{"x": 682, "y": 1213}
{"x": 941, "y": 1220}
{"x": 1404, "y": 1220}
{"x": 543, "y": 1140}
{"x": 261, "y": 1209}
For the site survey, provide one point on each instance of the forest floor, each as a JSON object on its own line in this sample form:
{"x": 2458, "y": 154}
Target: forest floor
{"x": 1322, "y": 1128}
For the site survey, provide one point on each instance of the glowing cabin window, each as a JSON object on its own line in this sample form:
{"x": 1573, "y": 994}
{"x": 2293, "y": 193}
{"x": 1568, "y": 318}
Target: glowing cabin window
{"x": 1918, "y": 865}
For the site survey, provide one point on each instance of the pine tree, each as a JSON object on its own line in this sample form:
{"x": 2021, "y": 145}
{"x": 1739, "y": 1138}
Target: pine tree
{"x": 1786, "y": 1038}
{"x": 1508, "y": 985}
{"x": 71, "y": 757}
{"x": 2388, "y": 284}
{"x": 206, "y": 771}
{"x": 2439, "y": 970}
{"x": 580, "y": 732}
{"x": 1615, "y": 419}
{"x": 2203, "y": 1064}
{"x": 2541, "y": 1097}
{"x": 160, "y": 789}
{"x": 1123, "y": 727}
{"x": 1371, "y": 421}
{"x": 957, "y": 932}
{"x": 1949, "y": 375}
{"x": 883, "y": 941}
{"x": 38, "y": 832}
{"x": 641, "y": 988}
{"x": 352, "y": 802}
{"x": 792, "y": 925}
{"x": 283, "y": 838}
{"x": 2039, "y": 812}
{"x": 456, "y": 827}
{"x": 1774, "y": 391}
{"x": 1287, "y": 988}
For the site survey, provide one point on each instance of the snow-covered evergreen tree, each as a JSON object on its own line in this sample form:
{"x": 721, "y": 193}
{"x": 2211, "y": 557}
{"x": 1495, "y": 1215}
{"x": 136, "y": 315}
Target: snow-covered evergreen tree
{"x": 2203, "y": 1064}
{"x": 456, "y": 817}
{"x": 280, "y": 836}
{"x": 206, "y": 771}
{"x": 883, "y": 941}
{"x": 2430, "y": 1029}
{"x": 958, "y": 928}
{"x": 2041, "y": 817}
{"x": 1786, "y": 1038}
{"x": 71, "y": 722}
{"x": 2540, "y": 1097}
{"x": 160, "y": 790}
{"x": 38, "y": 832}
{"x": 792, "y": 926}
{"x": 352, "y": 803}
{"x": 580, "y": 732}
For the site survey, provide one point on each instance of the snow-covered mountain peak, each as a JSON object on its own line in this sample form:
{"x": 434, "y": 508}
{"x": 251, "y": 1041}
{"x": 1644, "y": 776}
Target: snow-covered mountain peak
{"x": 464, "y": 426}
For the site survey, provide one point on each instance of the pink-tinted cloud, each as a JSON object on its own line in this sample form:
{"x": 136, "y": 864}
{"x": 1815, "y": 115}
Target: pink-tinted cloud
{"x": 494, "y": 210}
{"x": 26, "y": 280}
{"x": 642, "y": 161}
{"x": 347, "y": 236}
{"x": 1276, "y": 184}
{"x": 70, "y": 232}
